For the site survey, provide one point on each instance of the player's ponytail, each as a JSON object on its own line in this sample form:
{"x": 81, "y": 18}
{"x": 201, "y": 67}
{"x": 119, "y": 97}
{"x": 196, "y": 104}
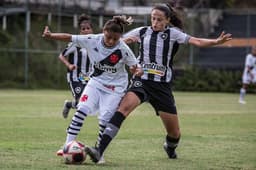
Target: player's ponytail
{"x": 117, "y": 23}
{"x": 170, "y": 12}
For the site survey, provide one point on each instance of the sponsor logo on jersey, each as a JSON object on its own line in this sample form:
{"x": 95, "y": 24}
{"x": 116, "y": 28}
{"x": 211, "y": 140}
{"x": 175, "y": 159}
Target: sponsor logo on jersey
{"x": 104, "y": 67}
{"x": 96, "y": 49}
{"x": 153, "y": 68}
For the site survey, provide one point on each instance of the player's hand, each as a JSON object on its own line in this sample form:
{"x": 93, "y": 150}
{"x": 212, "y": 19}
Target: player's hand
{"x": 71, "y": 67}
{"x": 224, "y": 38}
{"x": 136, "y": 70}
{"x": 46, "y": 33}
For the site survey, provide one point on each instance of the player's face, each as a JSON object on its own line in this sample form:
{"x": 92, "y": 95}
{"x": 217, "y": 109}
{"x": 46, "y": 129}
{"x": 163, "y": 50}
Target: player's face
{"x": 111, "y": 38}
{"x": 158, "y": 20}
{"x": 85, "y": 28}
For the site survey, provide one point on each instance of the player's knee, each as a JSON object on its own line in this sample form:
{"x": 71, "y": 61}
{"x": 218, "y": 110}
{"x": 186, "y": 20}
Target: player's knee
{"x": 175, "y": 133}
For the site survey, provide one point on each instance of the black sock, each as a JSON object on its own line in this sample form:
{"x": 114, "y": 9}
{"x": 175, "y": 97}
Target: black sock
{"x": 172, "y": 142}
{"x": 111, "y": 131}
{"x": 69, "y": 104}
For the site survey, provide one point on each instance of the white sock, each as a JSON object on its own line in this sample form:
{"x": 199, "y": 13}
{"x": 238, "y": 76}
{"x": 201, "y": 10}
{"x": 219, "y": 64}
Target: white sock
{"x": 70, "y": 138}
{"x": 242, "y": 93}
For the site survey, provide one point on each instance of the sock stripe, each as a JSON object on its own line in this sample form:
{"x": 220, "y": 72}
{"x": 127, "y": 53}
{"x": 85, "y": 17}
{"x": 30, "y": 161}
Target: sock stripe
{"x": 76, "y": 123}
{"x": 84, "y": 114}
{"x": 78, "y": 117}
{"x": 74, "y": 128}
{"x": 71, "y": 133}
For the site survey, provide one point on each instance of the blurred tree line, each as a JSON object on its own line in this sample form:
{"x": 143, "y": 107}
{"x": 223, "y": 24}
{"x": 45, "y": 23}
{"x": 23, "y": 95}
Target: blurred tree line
{"x": 46, "y": 71}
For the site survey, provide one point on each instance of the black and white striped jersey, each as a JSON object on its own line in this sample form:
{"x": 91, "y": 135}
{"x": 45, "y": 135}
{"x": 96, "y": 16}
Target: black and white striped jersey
{"x": 79, "y": 57}
{"x": 157, "y": 50}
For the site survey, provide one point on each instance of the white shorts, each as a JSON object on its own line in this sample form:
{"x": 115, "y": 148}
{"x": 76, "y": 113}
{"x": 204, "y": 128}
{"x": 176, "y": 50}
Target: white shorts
{"x": 247, "y": 79}
{"x": 95, "y": 98}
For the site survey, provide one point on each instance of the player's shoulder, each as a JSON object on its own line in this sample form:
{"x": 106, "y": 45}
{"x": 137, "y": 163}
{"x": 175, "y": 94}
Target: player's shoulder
{"x": 175, "y": 29}
{"x": 70, "y": 45}
{"x": 122, "y": 44}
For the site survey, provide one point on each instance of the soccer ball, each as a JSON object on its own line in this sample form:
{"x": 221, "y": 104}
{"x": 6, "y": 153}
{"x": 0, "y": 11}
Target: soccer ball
{"x": 73, "y": 153}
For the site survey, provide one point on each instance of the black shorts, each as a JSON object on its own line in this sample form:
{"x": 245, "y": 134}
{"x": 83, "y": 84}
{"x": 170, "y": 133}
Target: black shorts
{"x": 158, "y": 94}
{"x": 77, "y": 89}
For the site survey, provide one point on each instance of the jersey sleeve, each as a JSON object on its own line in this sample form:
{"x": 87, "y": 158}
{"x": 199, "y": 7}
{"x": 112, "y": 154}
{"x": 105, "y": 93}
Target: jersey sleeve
{"x": 129, "y": 57}
{"x": 82, "y": 41}
{"x": 133, "y": 33}
{"x": 179, "y": 36}
{"x": 69, "y": 49}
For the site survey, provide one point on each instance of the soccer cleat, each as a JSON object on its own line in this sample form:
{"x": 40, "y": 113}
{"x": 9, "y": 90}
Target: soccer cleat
{"x": 170, "y": 151}
{"x": 241, "y": 101}
{"x": 102, "y": 160}
{"x": 93, "y": 153}
{"x": 65, "y": 109}
{"x": 59, "y": 152}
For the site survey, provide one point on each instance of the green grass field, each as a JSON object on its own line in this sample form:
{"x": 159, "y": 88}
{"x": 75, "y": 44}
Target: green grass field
{"x": 217, "y": 133}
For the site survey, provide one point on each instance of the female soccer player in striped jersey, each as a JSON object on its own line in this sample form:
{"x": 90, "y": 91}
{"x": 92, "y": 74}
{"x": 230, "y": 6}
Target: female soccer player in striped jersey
{"x": 109, "y": 79}
{"x": 78, "y": 65}
{"x": 249, "y": 74}
{"x": 158, "y": 45}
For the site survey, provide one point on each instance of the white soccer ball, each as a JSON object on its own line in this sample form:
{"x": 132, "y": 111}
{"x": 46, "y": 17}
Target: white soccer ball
{"x": 73, "y": 153}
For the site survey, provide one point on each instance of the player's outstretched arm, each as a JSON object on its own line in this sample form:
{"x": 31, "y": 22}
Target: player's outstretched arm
{"x": 56, "y": 36}
{"x": 130, "y": 40}
{"x": 204, "y": 42}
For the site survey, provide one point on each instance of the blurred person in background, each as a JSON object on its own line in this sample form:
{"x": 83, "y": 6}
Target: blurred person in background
{"x": 249, "y": 74}
{"x": 158, "y": 46}
{"x": 78, "y": 65}
{"x": 109, "y": 78}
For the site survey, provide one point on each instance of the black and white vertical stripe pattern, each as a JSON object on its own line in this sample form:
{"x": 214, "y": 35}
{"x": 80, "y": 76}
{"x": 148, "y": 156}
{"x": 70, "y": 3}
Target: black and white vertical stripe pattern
{"x": 79, "y": 58}
{"x": 159, "y": 48}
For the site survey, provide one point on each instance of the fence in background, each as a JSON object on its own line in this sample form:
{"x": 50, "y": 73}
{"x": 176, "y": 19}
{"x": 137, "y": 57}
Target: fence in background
{"x": 198, "y": 23}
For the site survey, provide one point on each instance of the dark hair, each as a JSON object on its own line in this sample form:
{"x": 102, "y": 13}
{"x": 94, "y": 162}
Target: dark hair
{"x": 171, "y": 13}
{"x": 117, "y": 23}
{"x": 84, "y": 18}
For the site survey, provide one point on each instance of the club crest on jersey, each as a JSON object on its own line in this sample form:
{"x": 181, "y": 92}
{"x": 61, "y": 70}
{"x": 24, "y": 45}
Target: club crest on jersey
{"x": 164, "y": 36}
{"x": 113, "y": 58}
{"x": 78, "y": 90}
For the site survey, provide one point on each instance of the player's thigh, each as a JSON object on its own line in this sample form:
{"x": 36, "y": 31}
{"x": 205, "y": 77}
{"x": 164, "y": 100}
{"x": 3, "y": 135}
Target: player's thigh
{"x": 108, "y": 105}
{"x": 89, "y": 100}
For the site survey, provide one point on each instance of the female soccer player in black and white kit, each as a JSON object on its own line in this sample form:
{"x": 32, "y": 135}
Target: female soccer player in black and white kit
{"x": 109, "y": 79}
{"x": 249, "y": 74}
{"x": 78, "y": 65}
{"x": 158, "y": 45}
